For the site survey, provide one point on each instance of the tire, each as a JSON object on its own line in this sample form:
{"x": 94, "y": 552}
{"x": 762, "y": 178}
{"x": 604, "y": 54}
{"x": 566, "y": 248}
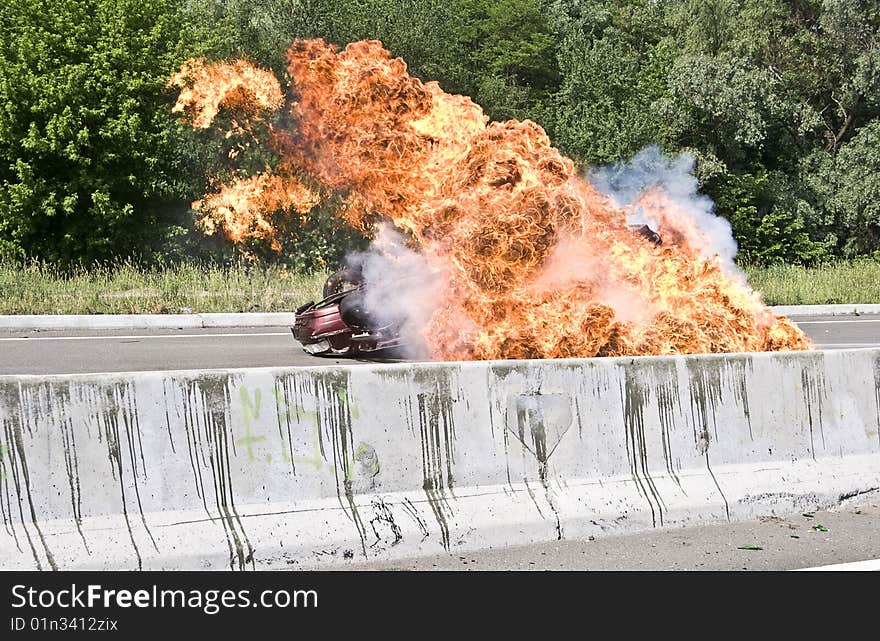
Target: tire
{"x": 343, "y": 280}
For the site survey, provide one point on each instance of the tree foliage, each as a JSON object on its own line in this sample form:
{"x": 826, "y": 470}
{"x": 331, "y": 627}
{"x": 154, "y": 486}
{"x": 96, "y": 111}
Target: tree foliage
{"x": 87, "y": 166}
{"x": 779, "y": 101}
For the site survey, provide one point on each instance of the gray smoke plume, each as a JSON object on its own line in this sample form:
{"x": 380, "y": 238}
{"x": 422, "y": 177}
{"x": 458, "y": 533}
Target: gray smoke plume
{"x": 626, "y": 181}
{"x": 401, "y": 288}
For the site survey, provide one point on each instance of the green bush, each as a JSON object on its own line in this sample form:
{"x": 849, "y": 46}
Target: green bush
{"x": 88, "y": 167}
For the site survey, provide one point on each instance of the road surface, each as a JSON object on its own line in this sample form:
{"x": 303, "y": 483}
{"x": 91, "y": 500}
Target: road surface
{"x": 845, "y": 536}
{"x": 56, "y": 352}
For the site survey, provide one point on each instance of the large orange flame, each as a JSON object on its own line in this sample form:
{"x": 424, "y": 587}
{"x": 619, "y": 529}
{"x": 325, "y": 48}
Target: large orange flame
{"x": 536, "y": 262}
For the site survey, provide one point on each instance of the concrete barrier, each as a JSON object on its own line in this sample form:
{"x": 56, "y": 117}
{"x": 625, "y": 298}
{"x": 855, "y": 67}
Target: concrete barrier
{"x": 278, "y": 468}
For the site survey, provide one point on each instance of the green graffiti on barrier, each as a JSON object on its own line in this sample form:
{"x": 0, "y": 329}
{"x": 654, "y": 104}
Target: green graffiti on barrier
{"x": 294, "y": 414}
{"x": 250, "y": 412}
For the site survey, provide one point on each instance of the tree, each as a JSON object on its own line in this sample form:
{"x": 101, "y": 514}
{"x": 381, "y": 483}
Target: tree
{"x": 88, "y": 170}
{"x": 848, "y": 184}
{"x": 614, "y": 67}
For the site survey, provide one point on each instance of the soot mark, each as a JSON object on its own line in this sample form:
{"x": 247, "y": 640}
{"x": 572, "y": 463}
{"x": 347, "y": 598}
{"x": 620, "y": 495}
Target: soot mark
{"x": 416, "y": 517}
{"x": 71, "y": 466}
{"x": 718, "y": 486}
{"x": 813, "y": 385}
{"x": 635, "y": 396}
{"x": 167, "y": 405}
{"x": 706, "y": 394}
{"x": 6, "y": 511}
{"x": 190, "y": 398}
{"x": 108, "y": 425}
{"x": 668, "y": 407}
{"x": 741, "y": 368}
{"x": 577, "y": 413}
{"x": 529, "y": 417}
{"x": 435, "y": 400}
{"x": 21, "y": 477}
{"x": 383, "y": 517}
{"x": 111, "y": 414}
{"x": 334, "y": 416}
{"x": 125, "y": 400}
{"x": 401, "y": 379}
{"x": 705, "y": 385}
{"x": 215, "y": 405}
{"x": 287, "y": 414}
{"x": 877, "y": 393}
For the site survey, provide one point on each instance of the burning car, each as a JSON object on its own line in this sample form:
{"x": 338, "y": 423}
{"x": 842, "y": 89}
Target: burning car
{"x": 340, "y": 324}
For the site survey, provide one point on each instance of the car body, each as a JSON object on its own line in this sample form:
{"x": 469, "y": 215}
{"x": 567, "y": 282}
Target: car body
{"x": 338, "y": 326}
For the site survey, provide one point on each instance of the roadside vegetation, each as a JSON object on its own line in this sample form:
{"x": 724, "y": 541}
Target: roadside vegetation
{"x": 39, "y": 288}
{"x": 842, "y": 282}
{"x": 128, "y": 289}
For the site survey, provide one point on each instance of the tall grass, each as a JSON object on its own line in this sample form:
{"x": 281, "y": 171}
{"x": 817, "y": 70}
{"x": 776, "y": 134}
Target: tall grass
{"x": 127, "y": 289}
{"x": 37, "y": 288}
{"x": 842, "y": 282}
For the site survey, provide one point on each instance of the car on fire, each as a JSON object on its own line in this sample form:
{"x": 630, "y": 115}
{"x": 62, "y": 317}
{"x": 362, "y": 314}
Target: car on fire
{"x": 341, "y": 325}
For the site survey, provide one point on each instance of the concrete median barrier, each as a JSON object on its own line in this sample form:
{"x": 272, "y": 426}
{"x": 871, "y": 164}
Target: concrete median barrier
{"x": 288, "y": 468}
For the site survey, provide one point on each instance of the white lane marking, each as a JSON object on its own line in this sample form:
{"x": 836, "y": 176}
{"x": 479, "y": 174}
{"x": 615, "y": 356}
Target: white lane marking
{"x": 872, "y": 565}
{"x": 104, "y": 338}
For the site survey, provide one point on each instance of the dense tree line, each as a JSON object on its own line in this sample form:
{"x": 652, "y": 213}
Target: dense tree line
{"x": 779, "y": 100}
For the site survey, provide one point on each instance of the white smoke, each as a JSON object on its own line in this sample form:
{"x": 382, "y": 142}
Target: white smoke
{"x": 626, "y": 181}
{"x": 401, "y": 288}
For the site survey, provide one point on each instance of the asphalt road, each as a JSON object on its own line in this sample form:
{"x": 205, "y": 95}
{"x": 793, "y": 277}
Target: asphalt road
{"x": 54, "y": 352}
{"x": 846, "y": 534}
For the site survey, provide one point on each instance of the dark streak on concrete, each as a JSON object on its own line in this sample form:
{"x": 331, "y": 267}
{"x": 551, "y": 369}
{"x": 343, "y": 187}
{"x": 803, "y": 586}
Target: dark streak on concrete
{"x": 635, "y": 396}
{"x": 742, "y": 367}
{"x": 109, "y": 421}
{"x": 668, "y": 403}
{"x": 434, "y": 398}
{"x": 334, "y": 415}
{"x": 189, "y": 393}
{"x": 529, "y": 415}
{"x": 813, "y": 387}
{"x": 6, "y": 398}
{"x": 21, "y": 476}
{"x": 705, "y": 392}
{"x": 284, "y": 393}
{"x": 382, "y": 514}
{"x": 417, "y": 517}
{"x": 490, "y": 387}
{"x": 548, "y": 494}
{"x": 717, "y": 486}
{"x": 218, "y": 435}
{"x": 167, "y": 405}
{"x": 71, "y": 463}
{"x": 125, "y": 399}
{"x": 877, "y": 393}
{"x": 577, "y": 413}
